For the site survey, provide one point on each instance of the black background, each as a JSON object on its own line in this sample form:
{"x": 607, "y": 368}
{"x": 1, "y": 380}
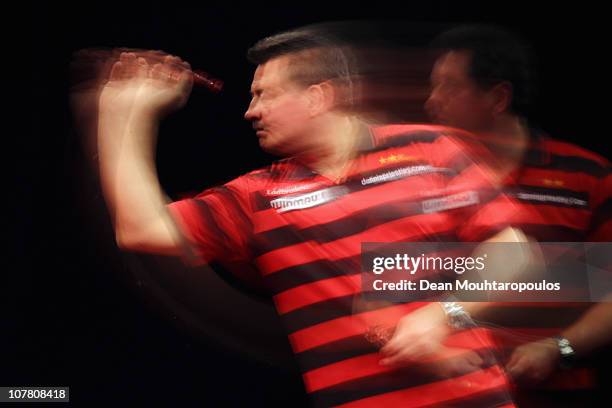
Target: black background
{"x": 79, "y": 313}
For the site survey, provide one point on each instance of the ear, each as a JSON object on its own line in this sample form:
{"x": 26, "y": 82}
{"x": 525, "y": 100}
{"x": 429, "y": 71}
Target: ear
{"x": 321, "y": 98}
{"x": 501, "y": 97}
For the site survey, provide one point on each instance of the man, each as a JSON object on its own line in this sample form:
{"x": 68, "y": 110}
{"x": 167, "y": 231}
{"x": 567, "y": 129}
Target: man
{"x": 302, "y": 220}
{"x": 481, "y": 82}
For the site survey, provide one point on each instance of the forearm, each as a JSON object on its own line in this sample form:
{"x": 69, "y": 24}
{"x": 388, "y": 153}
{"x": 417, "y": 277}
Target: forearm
{"x": 592, "y": 331}
{"x": 126, "y": 148}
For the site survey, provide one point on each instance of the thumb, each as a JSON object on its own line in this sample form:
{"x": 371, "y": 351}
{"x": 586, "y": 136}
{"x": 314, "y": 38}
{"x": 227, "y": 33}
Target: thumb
{"x": 185, "y": 83}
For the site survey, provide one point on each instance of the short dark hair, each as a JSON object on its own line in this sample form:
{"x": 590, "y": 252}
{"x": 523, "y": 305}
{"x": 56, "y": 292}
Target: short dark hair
{"x": 497, "y": 55}
{"x": 317, "y": 56}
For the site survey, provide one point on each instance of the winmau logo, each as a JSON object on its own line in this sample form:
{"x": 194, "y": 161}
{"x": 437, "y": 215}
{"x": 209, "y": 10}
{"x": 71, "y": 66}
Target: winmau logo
{"x": 308, "y": 200}
{"x": 401, "y": 173}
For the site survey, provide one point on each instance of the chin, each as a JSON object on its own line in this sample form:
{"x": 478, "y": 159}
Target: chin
{"x": 270, "y": 148}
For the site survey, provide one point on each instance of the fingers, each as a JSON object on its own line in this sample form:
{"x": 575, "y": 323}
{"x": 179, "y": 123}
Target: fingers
{"x": 178, "y": 62}
{"x": 401, "y": 339}
{"x": 157, "y": 72}
{"x": 414, "y": 351}
{"x": 152, "y": 64}
{"x": 399, "y": 350}
{"x": 129, "y": 63}
{"x": 397, "y": 356}
{"x": 390, "y": 348}
{"x": 128, "y": 66}
{"x": 513, "y": 360}
{"x": 173, "y": 68}
{"x": 395, "y": 360}
{"x": 520, "y": 367}
{"x": 116, "y": 72}
{"x": 446, "y": 361}
{"x": 409, "y": 344}
{"x": 143, "y": 68}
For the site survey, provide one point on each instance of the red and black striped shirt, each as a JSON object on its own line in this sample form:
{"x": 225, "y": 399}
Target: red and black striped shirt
{"x": 303, "y": 233}
{"x": 560, "y": 192}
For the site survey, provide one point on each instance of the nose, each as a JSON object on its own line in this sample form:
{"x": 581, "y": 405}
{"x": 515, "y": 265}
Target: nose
{"x": 252, "y": 113}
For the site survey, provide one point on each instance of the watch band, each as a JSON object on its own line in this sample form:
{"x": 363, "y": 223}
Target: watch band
{"x": 566, "y": 351}
{"x": 456, "y": 316}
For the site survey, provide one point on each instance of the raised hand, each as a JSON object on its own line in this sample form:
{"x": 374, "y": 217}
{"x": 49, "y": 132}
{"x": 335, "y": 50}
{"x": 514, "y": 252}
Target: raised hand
{"x": 149, "y": 82}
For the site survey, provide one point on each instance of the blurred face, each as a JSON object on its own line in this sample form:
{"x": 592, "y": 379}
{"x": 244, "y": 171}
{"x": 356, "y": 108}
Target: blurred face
{"x": 455, "y": 99}
{"x": 279, "y": 109}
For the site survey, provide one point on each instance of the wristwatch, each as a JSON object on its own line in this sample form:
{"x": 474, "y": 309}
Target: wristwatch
{"x": 566, "y": 351}
{"x": 456, "y": 316}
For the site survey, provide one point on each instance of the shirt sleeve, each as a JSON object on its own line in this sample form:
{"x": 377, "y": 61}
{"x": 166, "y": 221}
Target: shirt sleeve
{"x": 216, "y": 224}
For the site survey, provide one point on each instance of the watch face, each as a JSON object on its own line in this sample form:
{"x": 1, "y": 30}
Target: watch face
{"x": 565, "y": 347}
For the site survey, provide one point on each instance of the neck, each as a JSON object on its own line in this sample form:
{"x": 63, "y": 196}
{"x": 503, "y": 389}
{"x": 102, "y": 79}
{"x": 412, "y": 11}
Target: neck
{"x": 334, "y": 145}
{"x": 508, "y": 141}
{"x": 508, "y": 137}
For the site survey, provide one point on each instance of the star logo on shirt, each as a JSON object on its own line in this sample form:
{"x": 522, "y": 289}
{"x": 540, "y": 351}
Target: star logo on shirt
{"x": 396, "y": 158}
{"x": 553, "y": 182}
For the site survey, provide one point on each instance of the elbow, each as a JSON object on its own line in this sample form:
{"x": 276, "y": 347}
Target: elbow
{"x": 127, "y": 241}
{"x": 153, "y": 240}
{"x": 123, "y": 242}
